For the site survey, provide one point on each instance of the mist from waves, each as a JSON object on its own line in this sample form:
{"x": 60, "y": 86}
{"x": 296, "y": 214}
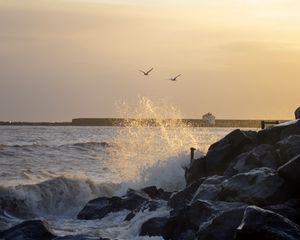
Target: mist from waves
{"x": 155, "y": 152}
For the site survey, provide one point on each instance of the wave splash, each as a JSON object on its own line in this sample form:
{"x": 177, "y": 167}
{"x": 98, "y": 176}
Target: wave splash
{"x": 153, "y": 151}
{"x": 57, "y": 197}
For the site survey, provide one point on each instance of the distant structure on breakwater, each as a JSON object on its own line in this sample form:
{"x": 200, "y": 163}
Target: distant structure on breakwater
{"x": 209, "y": 119}
{"x": 115, "y": 122}
{"x": 189, "y": 122}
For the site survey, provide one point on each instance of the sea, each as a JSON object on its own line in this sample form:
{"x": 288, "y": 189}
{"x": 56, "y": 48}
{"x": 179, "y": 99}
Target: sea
{"x": 51, "y": 172}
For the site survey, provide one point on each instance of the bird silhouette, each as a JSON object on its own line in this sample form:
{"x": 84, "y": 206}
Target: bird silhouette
{"x": 175, "y": 78}
{"x": 146, "y": 73}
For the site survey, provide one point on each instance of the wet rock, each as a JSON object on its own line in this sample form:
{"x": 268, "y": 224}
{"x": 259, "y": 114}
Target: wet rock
{"x": 297, "y": 113}
{"x": 278, "y": 132}
{"x": 156, "y": 193}
{"x": 182, "y": 198}
{"x": 258, "y": 223}
{"x": 155, "y": 227}
{"x": 264, "y": 155}
{"x": 289, "y": 148}
{"x": 289, "y": 209}
{"x": 291, "y": 172}
{"x": 221, "y": 153}
{"x": 261, "y": 186}
{"x": 209, "y": 189}
{"x": 28, "y": 230}
{"x": 79, "y": 237}
{"x": 100, "y": 207}
{"x": 200, "y": 211}
{"x": 184, "y": 223}
{"x": 196, "y": 170}
{"x": 223, "y": 226}
{"x": 148, "y": 205}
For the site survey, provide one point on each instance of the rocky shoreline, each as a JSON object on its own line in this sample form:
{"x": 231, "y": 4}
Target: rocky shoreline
{"x": 246, "y": 187}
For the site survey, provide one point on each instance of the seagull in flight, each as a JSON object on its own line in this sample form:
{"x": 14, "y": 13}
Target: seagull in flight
{"x": 175, "y": 78}
{"x": 146, "y": 73}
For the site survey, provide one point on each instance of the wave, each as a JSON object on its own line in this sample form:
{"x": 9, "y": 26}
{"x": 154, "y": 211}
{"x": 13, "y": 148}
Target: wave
{"x": 80, "y": 144}
{"x": 54, "y": 197}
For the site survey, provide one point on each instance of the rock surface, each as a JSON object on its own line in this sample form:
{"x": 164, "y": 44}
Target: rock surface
{"x": 28, "y": 230}
{"x": 100, "y": 207}
{"x": 261, "y": 186}
{"x": 297, "y": 113}
{"x": 291, "y": 171}
{"x": 262, "y": 224}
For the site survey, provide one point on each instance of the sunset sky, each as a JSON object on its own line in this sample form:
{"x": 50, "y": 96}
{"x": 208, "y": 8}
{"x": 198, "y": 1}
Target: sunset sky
{"x": 63, "y": 59}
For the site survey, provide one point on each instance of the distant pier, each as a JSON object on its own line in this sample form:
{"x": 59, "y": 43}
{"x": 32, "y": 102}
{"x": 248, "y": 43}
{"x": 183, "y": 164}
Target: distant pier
{"x": 111, "y": 122}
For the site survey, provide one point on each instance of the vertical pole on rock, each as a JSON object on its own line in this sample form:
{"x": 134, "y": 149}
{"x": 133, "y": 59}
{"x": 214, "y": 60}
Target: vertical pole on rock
{"x": 192, "y": 153}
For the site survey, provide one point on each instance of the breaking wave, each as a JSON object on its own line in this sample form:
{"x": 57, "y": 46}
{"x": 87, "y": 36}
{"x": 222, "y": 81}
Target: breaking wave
{"x": 57, "y": 196}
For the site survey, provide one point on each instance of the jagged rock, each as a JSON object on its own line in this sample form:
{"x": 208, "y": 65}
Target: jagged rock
{"x": 258, "y": 223}
{"x": 221, "y": 153}
{"x": 79, "y": 237}
{"x": 278, "y": 132}
{"x": 261, "y": 186}
{"x": 291, "y": 172}
{"x": 209, "y": 189}
{"x": 289, "y": 209}
{"x": 100, "y": 207}
{"x": 297, "y": 113}
{"x": 289, "y": 148}
{"x": 184, "y": 223}
{"x": 223, "y": 226}
{"x": 155, "y": 193}
{"x": 148, "y": 205}
{"x": 182, "y": 198}
{"x": 200, "y": 211}
{"x": 196, "y": 170}
{"x": 28, "y": 230}
{"x": 155, "y": 227}
{"x": 264, "y": 155}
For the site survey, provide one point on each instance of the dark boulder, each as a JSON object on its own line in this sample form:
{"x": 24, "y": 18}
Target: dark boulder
{"x": 157, "y": 193}
{"x": 221, "y": 153}
{"x": 209, "y": 189}
{"x": 183, "y": 224}
{"x": 223, "y": 226}
{"x": 148, "y": 205}
{"x": 196, "y": 170}
{"x": 79, "y": 237}
{"x": 155, "y": 227}
{"x": 200, "y": 211}
{"x": 28, "y": 230}
{"x": 263, "y": 224}
{"x": 297, "y": 113}
{"x": 291, "y": 172}
{"x": 289, "y": 148}
{"x": 264, "y": 155}
{"x": 289, "y": 209}
{"x": 261, "y": 186}
{"x": 278, "y": 132}
{"x": 182, "y": 198}
{"x": 100, "y": 207}
{"x": 168, "y": 228}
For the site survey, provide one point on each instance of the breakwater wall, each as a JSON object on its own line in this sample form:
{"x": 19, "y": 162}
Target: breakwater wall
{"x": 189, "y": 122}
{"x": 227, "y": 123}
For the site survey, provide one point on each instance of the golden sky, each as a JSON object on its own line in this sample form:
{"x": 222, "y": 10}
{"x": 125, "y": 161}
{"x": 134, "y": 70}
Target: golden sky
{"x": 61, "y": 59}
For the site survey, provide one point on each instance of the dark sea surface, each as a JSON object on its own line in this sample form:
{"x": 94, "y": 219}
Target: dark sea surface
{"x": 52, "y": 172}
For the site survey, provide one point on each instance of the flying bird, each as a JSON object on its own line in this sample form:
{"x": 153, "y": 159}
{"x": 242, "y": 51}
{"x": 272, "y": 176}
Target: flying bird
{"x": 175, "y": 78}
{"x": 146, "y": 73}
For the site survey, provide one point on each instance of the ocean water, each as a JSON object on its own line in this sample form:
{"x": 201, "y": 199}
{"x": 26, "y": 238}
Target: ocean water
{"x": 50, "y": 173}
